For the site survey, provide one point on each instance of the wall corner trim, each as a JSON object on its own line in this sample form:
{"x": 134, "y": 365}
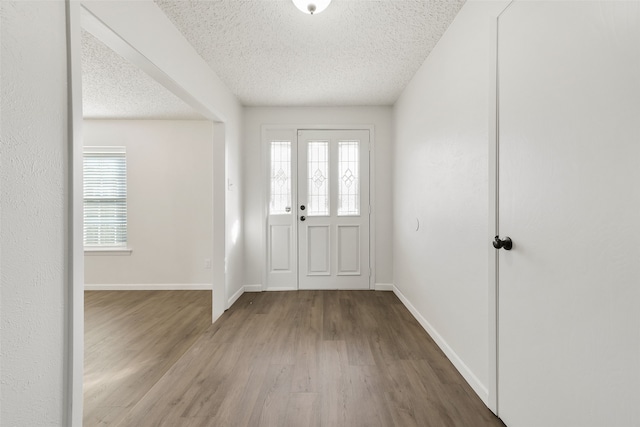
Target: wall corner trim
{"x": 253, "y": 288}
{"x": 477, "y": 386}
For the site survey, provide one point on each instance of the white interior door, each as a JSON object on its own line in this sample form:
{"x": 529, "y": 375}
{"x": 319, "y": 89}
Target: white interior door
{"x": 333, "y": 209}
{"x": 569, "y": 156}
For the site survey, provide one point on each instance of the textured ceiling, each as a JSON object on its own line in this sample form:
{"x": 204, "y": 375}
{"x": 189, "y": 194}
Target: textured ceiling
{"x": 113, "y": 88}
{"x": 356, "y": 52}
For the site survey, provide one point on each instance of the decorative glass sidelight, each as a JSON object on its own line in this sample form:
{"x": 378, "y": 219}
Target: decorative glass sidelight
{"x": 280, "y": 178}
{"x": 318, "y": 177}
{"x": 349, "y": 178}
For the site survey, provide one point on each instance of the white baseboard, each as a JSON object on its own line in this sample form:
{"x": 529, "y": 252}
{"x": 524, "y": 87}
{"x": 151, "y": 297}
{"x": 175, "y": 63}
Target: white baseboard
{"x": 150, "y": 287}
{"x": 254, "y": 288}
{"x": 384, "y": 287}
{"x": 464, "y": 370}
{"x": 281, "y": 288}
{"x": 242, "y": 290}
{"x": 233, "y": 298}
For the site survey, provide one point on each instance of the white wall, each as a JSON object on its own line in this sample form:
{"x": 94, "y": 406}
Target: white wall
{"x": 169, "y": 201}
{"x": 234, "y": 263}
{"x": 254, "y": 118}
{"x": 152, "y": 42}
{"x": 33, "y": 184}
{"x": 441, "y": 180}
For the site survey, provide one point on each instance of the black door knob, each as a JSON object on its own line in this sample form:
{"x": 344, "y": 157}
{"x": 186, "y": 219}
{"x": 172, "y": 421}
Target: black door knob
{"x": 505, "y": 243}
{"x": 302, "y": 218}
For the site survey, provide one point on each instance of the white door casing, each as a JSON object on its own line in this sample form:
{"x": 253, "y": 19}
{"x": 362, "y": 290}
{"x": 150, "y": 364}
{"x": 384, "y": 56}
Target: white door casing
{"x": 569, "y": 168}
{"x": 333, "y": 209}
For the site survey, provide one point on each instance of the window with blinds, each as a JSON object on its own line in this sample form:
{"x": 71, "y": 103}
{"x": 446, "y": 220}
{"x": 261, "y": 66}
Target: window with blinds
{"x": 105, "y": 197}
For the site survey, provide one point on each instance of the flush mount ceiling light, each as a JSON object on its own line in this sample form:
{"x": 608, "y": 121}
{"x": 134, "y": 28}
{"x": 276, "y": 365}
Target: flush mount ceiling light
{"x": 311, "y": 7}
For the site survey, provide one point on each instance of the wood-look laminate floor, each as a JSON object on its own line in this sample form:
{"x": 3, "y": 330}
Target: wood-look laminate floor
{"x": 132, "y": 338}
{"x": 307, "y": 358}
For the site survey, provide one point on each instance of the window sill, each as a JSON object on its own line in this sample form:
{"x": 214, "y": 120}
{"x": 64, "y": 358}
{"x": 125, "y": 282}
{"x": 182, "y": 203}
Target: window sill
{"x": 107, "y": 251}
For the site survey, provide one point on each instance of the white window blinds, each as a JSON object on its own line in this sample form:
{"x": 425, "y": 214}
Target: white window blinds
{"x": 105, "y": 197}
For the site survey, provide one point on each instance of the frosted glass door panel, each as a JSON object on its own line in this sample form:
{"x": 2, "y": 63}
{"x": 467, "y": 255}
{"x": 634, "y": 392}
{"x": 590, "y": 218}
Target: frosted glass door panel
{"x": 318, "y": 178}
{"x": 280, "y": 178}
{"x": 348, "y": 178}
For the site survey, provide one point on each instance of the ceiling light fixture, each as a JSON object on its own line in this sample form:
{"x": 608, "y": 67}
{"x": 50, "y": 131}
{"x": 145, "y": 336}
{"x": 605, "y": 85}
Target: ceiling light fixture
{"x": 311, "y": 7}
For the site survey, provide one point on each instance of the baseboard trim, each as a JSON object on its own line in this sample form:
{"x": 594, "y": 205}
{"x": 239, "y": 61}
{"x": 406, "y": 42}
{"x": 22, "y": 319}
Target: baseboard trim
{"x": 464, "y": 370}
{"x": 242, "y": 290}
{"x": 281, "y": 288}
{"x": 383, "y": 287}
{"x": 235, "y": 296}
{"x": 253, "y": 288}
{"x": 150, "y": 287}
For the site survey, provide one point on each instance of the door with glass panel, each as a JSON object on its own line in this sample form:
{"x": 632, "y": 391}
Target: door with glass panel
{"x": 317, "y": 227}
{"x": 281, "y": 226}
{"x": 333, "y": 209}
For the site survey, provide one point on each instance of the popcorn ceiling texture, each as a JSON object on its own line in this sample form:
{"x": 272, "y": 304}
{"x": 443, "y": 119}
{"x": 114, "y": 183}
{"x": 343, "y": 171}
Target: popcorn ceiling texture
{"x": 113, "y": 88}
{"x": 356, "y": 52}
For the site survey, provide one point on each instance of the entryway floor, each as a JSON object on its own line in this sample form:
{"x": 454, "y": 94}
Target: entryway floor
{"x": 306, "y": 358}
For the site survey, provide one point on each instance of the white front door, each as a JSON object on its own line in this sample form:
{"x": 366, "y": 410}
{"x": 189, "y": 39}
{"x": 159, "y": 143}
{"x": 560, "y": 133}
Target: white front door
{"x": 569, "y": 195}
{"x": 281, "y": 233}
{"x": 333, "y": 209}
{"x": 317, "y": 228}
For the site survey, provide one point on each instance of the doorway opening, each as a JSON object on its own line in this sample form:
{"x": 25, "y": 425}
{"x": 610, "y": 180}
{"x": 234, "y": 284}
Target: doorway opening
{"x": 83, "y": 17}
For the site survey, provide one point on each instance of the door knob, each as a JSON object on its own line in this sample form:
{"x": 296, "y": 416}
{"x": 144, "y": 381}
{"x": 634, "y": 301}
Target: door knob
{"x": 302, "y": 218}
{"x": 506, "y": 243}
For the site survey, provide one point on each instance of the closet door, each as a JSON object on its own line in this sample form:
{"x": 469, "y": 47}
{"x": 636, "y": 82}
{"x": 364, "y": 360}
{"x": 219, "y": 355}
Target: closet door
{"x": 569, "y": 195}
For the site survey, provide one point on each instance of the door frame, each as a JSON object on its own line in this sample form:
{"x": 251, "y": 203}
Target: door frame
{"x": 492, "y": 256}
{"x": 265, "y": 172}
{"x": 493, "y": 145}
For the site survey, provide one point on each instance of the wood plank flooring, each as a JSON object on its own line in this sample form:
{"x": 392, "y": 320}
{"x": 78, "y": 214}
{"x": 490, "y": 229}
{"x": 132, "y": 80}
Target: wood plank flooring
{"x": 306, "y": 358}
{"x": 132, "y": 338}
